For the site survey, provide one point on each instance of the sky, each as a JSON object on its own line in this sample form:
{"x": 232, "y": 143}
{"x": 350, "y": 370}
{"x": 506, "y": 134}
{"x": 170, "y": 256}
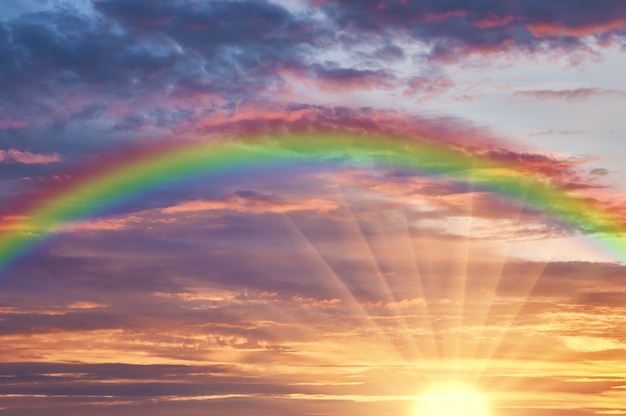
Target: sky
{"x": 327, "y": 286}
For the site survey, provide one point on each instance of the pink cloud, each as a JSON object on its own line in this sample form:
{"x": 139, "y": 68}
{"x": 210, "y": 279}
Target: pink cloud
{"x": 12, "y": 124}
{"x": 28, "y": 158}
{"x": 441, "y": 17}
{"x": 104, "y": 224}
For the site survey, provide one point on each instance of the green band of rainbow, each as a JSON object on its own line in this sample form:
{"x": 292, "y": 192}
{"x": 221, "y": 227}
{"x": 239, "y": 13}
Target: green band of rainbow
{"x": 84, "y": 196}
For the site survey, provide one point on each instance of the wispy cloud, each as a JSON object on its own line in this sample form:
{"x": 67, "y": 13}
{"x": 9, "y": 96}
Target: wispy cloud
{"x": 555, "y": 132}
{"x": 578, "y": 94}
{"x": 251, "y": 202}
{"x": 28, "y": 158}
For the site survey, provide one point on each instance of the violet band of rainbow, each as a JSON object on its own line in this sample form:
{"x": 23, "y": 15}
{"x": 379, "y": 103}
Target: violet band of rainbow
{"x": 158, "y": 165}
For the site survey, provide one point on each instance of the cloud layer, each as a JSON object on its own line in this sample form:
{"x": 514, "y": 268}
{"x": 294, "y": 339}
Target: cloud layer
{"x": 326, "y": 288}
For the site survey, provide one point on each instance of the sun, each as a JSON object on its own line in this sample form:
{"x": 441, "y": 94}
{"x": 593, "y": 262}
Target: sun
{"x": 450, "y": 400}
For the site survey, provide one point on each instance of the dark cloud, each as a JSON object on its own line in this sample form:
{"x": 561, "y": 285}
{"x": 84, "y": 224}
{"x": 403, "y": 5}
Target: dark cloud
{"x": 135, "y": 63}
{"x": 457, "y": 27}
{"x": 34, "y": 323}
{"x": 223, "y": 47}
{"x": 154, "y": 381}
{"x": 26, "y": 372}
{"x": 351, "y": 78}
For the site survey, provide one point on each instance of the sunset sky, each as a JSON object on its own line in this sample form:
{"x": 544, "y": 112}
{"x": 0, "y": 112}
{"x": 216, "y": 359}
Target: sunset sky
{"x": 329, "y": 286}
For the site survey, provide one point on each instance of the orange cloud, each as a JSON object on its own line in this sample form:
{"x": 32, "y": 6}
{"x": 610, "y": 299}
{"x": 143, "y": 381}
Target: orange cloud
{"x": 86, "y": 305}
{"x": 316, "y": 303}
{"x": 252, "y": 205}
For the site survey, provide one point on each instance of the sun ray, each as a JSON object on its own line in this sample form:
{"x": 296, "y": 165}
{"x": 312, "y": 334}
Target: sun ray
{"x": 490, "y": 348}
{"x": 476, "y": 311}
{"x": 399, "y": 196}
{"x": 372, "y": 250}
{"x": 462, "y": 342}
{"x": 388, "y": 293}
{"x": 433, "y": 351}
{"x": 346, "y": 293}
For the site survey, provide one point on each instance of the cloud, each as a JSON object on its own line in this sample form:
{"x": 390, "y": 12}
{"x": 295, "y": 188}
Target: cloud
{"x": 576, "y": 281}
{"x": 599, "y": 172}
{"x": 607, "y": 297}
{"x": 552, "y": 132}
{"x": 317, "y": 291}
{"x": 578, "y": 94}
{"x": 128, "y": 53}
{"x": 455, "y": 136}
{"x": 104, "y": 224}
{"x": 245, "y": 202}
{"x": 454, "y": 29}
{"x": 545, "y": 30}
{"x": 12, "y": 124}
{"x": 429, "y": 86}
{"x": 345, "y": 79}
{"x": 28, "y": 158}
{"x": 139, "y": 66}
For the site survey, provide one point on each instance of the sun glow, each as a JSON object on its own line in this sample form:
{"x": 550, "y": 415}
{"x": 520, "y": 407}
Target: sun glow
{"x": 450, "y": 400}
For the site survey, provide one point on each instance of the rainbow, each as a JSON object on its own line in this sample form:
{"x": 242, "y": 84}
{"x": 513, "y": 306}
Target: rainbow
{"x": 142, "y": 169}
